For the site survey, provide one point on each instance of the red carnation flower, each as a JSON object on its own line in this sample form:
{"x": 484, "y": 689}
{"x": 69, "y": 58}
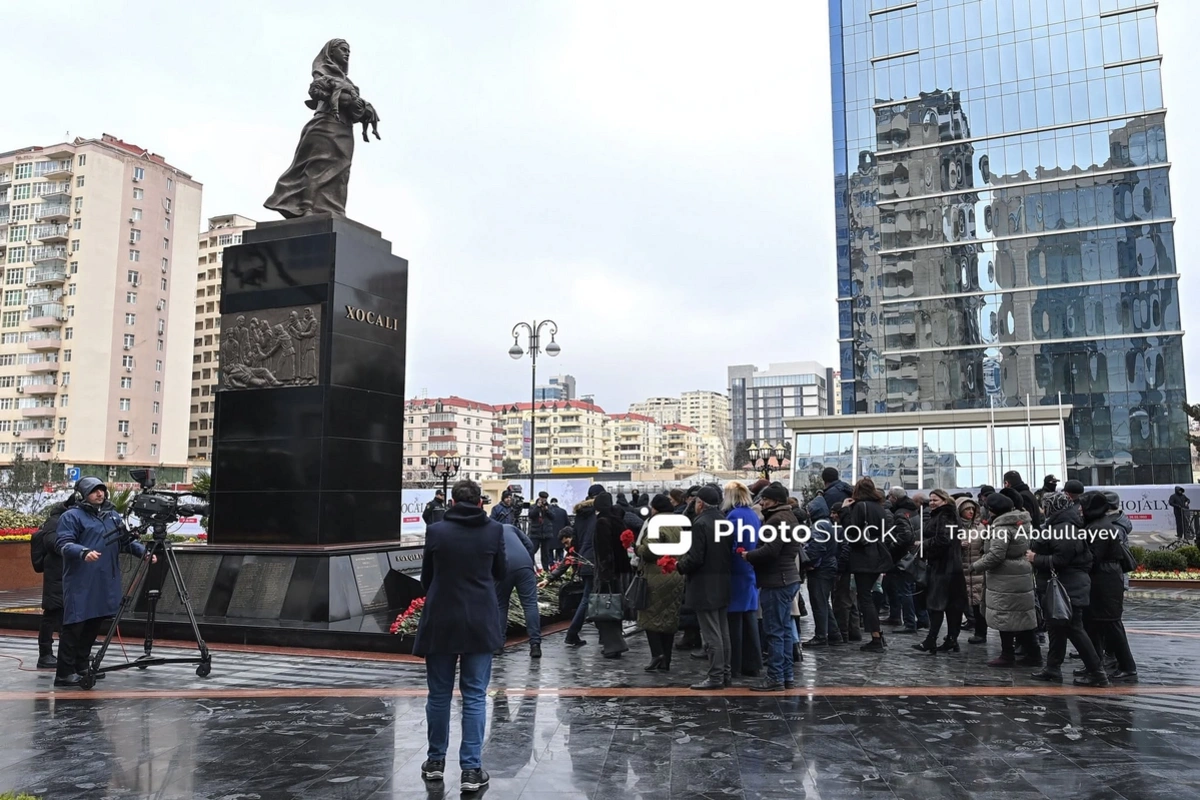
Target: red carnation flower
{"x": 627, "y": 538}
{"x": 667, "y": 564}
{"x": 741, "y": 550}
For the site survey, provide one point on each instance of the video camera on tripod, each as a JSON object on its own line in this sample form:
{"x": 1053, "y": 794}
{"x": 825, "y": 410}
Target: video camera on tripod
{"x": 155, "y": 509}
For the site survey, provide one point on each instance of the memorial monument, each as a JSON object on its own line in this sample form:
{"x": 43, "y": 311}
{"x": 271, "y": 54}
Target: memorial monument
{"x": 309, "y": 417}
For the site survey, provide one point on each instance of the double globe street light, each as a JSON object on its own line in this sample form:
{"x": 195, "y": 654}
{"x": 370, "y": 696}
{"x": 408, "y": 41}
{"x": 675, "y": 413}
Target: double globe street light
{"x": 760, "y": 457}
{"x": 444, "y": 467}
{"x": 534, "y": 333}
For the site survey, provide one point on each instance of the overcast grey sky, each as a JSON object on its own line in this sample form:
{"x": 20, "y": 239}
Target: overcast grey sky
{"x": 655, "y": 176}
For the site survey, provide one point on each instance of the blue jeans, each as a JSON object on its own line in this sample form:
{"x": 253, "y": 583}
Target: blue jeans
{"x": 581, "y": 612}
{"x": 777, "y": 623}
{"x": 473, "y": 683}
{"x": 820, "y": 587}
{"x": 899, "y": 588}
{"x": 525, "y": 583}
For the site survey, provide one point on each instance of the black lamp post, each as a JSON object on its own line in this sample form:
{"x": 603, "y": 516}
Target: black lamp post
{"x": 534, "y": 332}
{"x": 445, "y": 467}
{"x": 760, "y": 457}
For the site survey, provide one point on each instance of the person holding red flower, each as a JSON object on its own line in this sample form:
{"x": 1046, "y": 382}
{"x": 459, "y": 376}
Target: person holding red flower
{"x": 612, "y": 566}
{"x": 660, "y": 618}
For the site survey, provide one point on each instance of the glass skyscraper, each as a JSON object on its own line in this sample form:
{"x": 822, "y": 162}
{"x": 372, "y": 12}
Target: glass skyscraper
{"x": 1004, "y": 221}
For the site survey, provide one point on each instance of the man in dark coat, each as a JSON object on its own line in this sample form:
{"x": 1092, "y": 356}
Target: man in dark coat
{"x": 43, "y": 550}
{"x": 706, "y": 568}
{"x": 776, "y": 570}
{"x": 837, "y": 491}
{"x": 1180, "y": 503}
{"x": 558, "y": 520}
{"x": 1013, "y": 480}
{"x": 1102, "y": 617}
{"x": 899, "y": 585}
{"x": 86, "y": 538}
{"x": 504, "y": 512}
{"x": 518, "y": 552}
{"x": 585, "y": 546}
{"x": 463, "y": 563}
{"x": 541, "y": 529}
{"x": 434, "y": 509}
{"x": 1049, "y": 486}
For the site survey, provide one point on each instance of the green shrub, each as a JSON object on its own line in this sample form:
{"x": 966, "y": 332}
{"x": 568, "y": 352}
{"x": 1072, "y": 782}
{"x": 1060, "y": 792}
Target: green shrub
{"x": 1165, "y": 560}
{"x": 17, "y": 519}
{"x": 1139, "y": 553}
{"x": 15, "y": 796}
{"x": 1191, "y": 553}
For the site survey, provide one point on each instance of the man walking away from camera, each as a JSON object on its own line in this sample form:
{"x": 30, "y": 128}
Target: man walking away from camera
{"x": 518, "y": 551}
{"x": 91, "y": 574}
{"x": 463, "y": 563}
{"x": 706, "y": 569}
{"x": 558, "y": 520}
{"x": 43, "y": 550}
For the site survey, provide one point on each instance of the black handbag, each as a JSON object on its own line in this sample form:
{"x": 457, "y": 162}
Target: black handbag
{"x": 637, "y": 596}
{"x": 1058, "y": 602}
{"x": 605, "y": 607}
{"x": 914, "y": 567}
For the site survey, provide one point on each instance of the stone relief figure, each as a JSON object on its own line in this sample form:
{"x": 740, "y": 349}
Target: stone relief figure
{"x": 263, "y": 353}
{"x": 319, "y": 176}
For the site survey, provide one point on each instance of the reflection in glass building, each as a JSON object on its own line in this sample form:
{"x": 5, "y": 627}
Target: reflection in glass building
{"x": 932, "y": 450}
{"x": 1004, "y": 221}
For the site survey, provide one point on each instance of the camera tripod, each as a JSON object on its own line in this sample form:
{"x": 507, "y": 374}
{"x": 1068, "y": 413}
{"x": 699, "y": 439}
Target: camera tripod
{"x": 158, "y": 546}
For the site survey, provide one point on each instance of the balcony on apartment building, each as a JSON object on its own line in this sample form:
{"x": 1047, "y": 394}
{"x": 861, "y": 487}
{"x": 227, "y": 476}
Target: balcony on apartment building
{"x": 49, "y": 256}
{"x": 42, "y": 367}
{"x": 52, "y": 169}
{"x": 37, "y": 434}
{"x": 44, "y": 315}
{"x": 39, "y": 412}
{"x": 51, "y": 233}
{"x": 52, "y": 212}
{"x": 5, "y": 178}
{"x": 43, "y": 342}
{"x": 47, "y": 275}
{"x": 42, "y": 388}
{"x": 56, "y": 194}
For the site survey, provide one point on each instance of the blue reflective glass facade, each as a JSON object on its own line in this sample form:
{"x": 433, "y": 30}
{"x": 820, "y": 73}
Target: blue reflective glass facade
{"x": 1005, "y": 233}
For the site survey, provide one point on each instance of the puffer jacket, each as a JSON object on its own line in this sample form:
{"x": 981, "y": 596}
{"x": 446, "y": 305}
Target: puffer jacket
{"x": 776, "y": 562}
{"x": 585, "y": 536}
{"x": 1008, "y": 598}
{"x": 822, "y": 548}
{"x": 1108, "y": 582}
{"x": 973, "y": 545}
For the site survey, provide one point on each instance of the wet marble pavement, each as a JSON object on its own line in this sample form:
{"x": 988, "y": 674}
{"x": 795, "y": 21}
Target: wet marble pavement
{"x": 900, "y": 724}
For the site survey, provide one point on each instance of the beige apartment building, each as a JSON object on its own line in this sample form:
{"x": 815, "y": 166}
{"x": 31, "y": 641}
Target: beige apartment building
{"x": 635, "y": 442}
{"x": 93, "y": 267}
{"x": 222, "y": 232}
{"x": 681, "y": 444}
{"x": 664, "y": 409}
{"x": 452, "y": 426}
{"x": 568, "y": 434}
{"x": 706, "y": 412}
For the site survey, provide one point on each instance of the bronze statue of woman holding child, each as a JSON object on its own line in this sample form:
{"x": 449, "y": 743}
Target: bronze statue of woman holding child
{"x": 317, "y": 180}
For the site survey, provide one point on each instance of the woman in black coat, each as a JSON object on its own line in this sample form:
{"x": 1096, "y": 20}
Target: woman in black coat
{"x": 945, "y": 584}
{"x": 863, "y": 524}
{"x": 1065, "y": 552}
{"x": 1102, "y": 617}
{"x": 612, "y": 565}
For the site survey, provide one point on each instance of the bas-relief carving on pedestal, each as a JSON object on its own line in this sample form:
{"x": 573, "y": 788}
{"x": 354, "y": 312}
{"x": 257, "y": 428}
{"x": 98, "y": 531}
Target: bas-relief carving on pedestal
{"x": 275, "y": 347}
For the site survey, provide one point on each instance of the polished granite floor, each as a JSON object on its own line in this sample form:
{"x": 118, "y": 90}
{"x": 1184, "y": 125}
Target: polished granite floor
{"x": 573, "y": 725}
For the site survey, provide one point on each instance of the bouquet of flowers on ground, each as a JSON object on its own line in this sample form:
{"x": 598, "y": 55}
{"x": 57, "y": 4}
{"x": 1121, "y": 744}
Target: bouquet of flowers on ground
{"x": 406, "y": 623}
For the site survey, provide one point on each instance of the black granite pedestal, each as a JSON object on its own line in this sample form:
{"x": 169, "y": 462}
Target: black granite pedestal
{"x": 308, "y": 436}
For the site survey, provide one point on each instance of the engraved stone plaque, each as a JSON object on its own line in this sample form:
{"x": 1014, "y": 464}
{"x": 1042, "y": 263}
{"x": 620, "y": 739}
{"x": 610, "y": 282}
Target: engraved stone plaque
{"x": 261, "y": 587}
{"x": 199, "y": 572}
{"x": 369, "y": 578}
{"x": 270, "y": 348}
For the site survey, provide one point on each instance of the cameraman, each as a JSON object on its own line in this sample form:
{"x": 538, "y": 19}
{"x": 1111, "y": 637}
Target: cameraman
{"x": 89, "y": 540}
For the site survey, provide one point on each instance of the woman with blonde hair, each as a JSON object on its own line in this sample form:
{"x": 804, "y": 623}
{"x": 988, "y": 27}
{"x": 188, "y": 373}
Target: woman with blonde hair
{"x": 745, "y": 656}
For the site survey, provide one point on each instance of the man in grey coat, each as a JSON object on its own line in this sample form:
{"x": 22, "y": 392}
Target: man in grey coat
{"x": 706, "y": 569}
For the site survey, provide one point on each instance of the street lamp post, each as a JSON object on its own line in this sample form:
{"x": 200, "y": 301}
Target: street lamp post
{"x": 760, "y": 457}
{"x": 445, "y": 467}
{"x": 534, "y": 332}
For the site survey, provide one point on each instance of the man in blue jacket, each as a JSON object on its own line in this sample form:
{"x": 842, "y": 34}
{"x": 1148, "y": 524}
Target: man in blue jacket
{"x": 463, "y": 563}
{"x": 89, "y": 545}
{"x": 518, "y": 551}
